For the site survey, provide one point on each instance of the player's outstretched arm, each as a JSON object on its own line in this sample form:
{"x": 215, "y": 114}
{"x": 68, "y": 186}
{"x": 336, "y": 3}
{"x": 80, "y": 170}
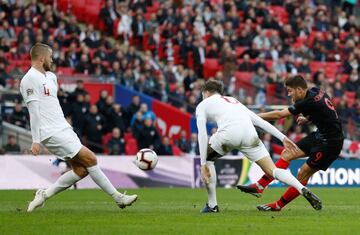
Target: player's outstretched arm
{"x": 34, "y": 111}
{"x": 257, "y": 121}
{"x": 275, "y": 115}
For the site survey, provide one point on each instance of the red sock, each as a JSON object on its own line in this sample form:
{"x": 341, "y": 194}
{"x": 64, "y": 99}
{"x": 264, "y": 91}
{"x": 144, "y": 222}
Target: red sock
{"x": 290, "y": 194}
{"x": 266, "y": 180}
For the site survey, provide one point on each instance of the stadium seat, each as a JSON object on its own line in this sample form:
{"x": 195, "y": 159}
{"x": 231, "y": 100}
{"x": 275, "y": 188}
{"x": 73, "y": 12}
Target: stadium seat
{"x": 316, "y": 65}
{"x": 211, "y": 66}
{"x": 176, "y": 150}
{"x": 78, "y": 9}
{"x": 350, "y": 97}
{"x": 131, "y": 147}
{"x": 94, "y": 3}
{"x": 65, "y": 71}
{"x": 92, "y": 14}
{"x": 127, "y": 136}
{"x": 239, "y": 51}
{"x": 105, "y": 140}
{"x": 63, "y": 5}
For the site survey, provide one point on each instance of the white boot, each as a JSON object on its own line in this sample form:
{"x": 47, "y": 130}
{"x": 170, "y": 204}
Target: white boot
{"x": 123, "y": 200}
{"x": 39, "y": 200}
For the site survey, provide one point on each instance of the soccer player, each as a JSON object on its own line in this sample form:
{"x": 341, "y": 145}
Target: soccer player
{"x": 236, "y": 131}
{"x": 48, "y": 127}
{"x": 322, "y": 146}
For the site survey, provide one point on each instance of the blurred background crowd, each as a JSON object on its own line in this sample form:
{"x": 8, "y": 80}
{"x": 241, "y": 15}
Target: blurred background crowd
{"x": 165, "y": 49}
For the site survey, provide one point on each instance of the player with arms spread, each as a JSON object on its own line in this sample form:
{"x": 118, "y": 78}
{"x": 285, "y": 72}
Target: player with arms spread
{"x": 49, "y": 127}
{"x": 236, "y": 131}
{"x": 322, "y": 146}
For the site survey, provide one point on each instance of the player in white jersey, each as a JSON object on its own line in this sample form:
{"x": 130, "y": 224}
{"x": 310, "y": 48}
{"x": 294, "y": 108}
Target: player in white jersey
{"x": 49, "y": 127}
{"x": 236, "y": 131}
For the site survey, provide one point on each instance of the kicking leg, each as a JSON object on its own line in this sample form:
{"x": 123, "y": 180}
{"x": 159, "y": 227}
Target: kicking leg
{"x": 63, "y": 182}
{"x": 284, "y": 176}
{"x": 291, "y": 193}
{"x": 257, "y": 188}
{"x": 88, "y": 159}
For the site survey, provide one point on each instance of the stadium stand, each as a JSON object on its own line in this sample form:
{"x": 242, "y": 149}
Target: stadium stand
{"x": 165, "y": 49}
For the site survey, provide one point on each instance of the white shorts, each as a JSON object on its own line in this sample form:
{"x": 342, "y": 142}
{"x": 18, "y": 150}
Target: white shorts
{"x": 241, "y": 138}
{"x": 64, "y": 144}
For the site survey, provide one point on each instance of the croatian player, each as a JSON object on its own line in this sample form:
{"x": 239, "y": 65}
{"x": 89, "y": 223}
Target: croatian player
{"x": 322, "y": 146}
{"x": 236, "y": 131}
{"x": 48, "y": 127}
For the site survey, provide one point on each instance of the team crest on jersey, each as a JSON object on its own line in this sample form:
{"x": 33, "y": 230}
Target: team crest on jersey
{"x": 29, "y": 92}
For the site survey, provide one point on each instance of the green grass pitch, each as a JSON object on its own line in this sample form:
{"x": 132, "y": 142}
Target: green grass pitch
{"x": 176, "y": 211}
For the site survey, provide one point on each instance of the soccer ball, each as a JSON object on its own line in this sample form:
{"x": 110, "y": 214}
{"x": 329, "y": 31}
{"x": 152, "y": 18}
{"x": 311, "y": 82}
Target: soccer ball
{"x": 146, "y": 159}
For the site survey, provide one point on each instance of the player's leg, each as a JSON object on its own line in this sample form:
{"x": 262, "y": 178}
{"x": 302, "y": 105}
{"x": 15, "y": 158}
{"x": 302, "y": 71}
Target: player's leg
{"x": 258, "y": 187}
{"x": 291, "y": 193}
{"x": 66, "y": 180}
{"x": 87, "y": 159}
{"x": 211, "y": 205}
{"x": 62, "y": 183}
{"x": 286, "y": 157}
{"x": 320, "y": 158}
{"x": 286, "y": 177}
{"x": 254, "y": 153}
{"x": 268, "y": 166}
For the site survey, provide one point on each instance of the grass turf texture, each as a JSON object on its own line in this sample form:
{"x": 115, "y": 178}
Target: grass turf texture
{"x": 176, "y": 211}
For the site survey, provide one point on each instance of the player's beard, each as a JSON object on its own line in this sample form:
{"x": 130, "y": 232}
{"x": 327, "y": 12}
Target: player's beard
{"x": 47, "y": 66}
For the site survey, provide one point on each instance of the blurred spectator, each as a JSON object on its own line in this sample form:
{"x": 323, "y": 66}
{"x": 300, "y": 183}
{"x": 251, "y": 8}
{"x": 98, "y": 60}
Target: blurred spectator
{"x": 194, "y": 145}
{"x": 183, "y": 142}
{"x": 353, "y": 83}
{"x": 124, "y": 27}
{"x": 304, "y": 66}
{"x": 117, "y": 117}
{"x": 338, "y": 90}
{"x": 146, "y": 113}
{"x": 116, "y": 144}
{"x": 148, "y": 136}
{"x": 19, "y": 116}
{"x": 4, "y": 76}
{"x": 94, "y": 122}
{"x": 109, "y": 14}
{"x": 165, "y": 147}
{"x": 137, "y": 125}
{"x": 12, "y": 145}
{"x": 101, "y": 103}
{"x": 259, "y": 78}
{"x": 78, "y": 111}
{"x": 84, "y": 66}
{"x": 246, "y": 65}
{"x": 138, "y": 29}
{"x": 7, "y": 32}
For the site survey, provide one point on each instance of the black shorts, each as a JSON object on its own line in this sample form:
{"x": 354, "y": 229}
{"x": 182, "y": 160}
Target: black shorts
{"x": 321, "y": 153}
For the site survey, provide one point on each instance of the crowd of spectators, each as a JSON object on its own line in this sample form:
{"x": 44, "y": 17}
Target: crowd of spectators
{"x": 161, "y": 48}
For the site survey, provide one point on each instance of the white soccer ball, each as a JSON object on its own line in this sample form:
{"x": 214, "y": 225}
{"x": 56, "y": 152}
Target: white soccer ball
{"x": 146, "y": 159}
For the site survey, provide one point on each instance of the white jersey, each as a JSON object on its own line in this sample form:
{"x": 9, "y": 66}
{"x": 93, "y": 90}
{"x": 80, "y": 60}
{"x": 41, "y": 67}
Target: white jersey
{"x": 36, "y": 86}
{"x": 225, "y": 111}
{"x": 231, "y": 118}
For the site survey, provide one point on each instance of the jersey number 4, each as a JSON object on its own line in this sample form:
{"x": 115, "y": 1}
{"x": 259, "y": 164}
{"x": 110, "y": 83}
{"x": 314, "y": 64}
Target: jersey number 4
{"x": 46, "y": 90}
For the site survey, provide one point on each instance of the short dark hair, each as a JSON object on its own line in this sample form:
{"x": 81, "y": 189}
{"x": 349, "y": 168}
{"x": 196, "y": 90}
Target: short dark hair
{"x": 296, "y": 81}
{"x": 214, "y": 86}
{"x": 38, "y": 49}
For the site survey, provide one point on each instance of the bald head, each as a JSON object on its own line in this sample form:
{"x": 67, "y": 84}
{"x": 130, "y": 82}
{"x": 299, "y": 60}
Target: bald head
{"x": 39, "y": 50}
{"x": 41, "y": 56}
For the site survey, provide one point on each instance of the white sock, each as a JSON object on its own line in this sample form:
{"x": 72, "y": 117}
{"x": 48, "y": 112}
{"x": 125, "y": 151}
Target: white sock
{"x": 211, "y": 187}
{"x": 63, "y": 182}
{"x": 101, "y": 180}
{"x": 287, "y": 178}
